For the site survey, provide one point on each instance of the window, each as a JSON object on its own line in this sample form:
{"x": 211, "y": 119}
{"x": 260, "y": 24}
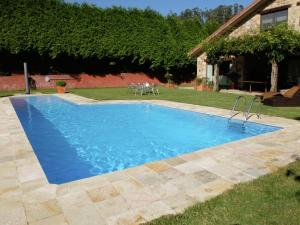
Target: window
{"x": 273, "y": 18}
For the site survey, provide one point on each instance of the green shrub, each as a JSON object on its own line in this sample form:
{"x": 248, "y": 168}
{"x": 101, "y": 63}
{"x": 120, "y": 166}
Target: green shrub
{"x": 199, "y": 81}
{"x": 210, "y": 83}
{"x": 61, "y": 83}
{"x": 54, "y": 32}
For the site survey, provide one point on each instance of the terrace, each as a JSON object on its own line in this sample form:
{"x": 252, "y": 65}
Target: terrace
{"x": 146, "y": 192}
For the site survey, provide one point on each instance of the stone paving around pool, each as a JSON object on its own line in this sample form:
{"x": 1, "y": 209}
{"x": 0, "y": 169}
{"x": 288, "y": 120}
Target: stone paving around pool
{"x": 134, "y": 195}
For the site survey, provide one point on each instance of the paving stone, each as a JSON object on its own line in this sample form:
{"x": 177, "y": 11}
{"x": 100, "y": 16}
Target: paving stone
{"x": 30, "y": 172}
{"x": 23, "y": 153}
{"x": 103, "y": 193}
{"x": 217, "y": 186}
{"x": 186, "y": 181}
{"x": 190, "y": 156}
{"x": 42, "y": 194}
{"x": 180, "y": 202}
{"x": 12, "y": 213}
{"x": 85, "y": 214}
{"x": 33, "y": 185}
{"x": 256, "y": 172}
{"x": 5, "y": 152}
{"x": 170, "y": 174}
{"x": 68, "y": 188}
{"x": 53, "y": 220}
{"x": 155, "y": 210}
{"x": 206, "y": 162}
{"x": 240, "y": 177}
{"x": 131, "y": 217}
{"x": 175, "y": 161}
{"x": 205, "y": 176}
{"x": 189, "y": 167}
{"x": 8, "y": 184}
{"x": 126, "y": 186}
{"x": 240, "y": 165}
{"x": 223, "y": 170}
{"x": 116, "y": 176}
{"x": 79, "y": 209}
{"x": 138, "y": 171}
{"x": 6, "y": 158}
{"x": 4, "y": 142}
{"x": 158, "y": 166}
{"x": 26, "y": 161}
{"x": 141, "y": 197}
{"x": 91, "y": 182}
{"x": 41, "y": 210}
{"x": 277, "y": 163}
{"x": 209, "y": 190}
{"x": 269, "y": 154}
{"x": 74, "y": 199}
{"x": 249, "y": 159}
{"x": 112, "y": 206}
{"x": 149, "y": 179}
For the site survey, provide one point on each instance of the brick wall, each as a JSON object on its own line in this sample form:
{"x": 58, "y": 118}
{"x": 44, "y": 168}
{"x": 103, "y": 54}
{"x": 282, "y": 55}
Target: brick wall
{"x": 16, "y": 81}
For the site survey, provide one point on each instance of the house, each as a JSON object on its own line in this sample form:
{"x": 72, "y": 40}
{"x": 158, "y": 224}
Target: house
{"x": 249, "y": 70}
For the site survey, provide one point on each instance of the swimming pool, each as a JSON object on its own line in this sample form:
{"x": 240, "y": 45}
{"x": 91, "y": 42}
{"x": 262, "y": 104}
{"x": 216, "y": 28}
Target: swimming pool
{"x": 78, "y": 141}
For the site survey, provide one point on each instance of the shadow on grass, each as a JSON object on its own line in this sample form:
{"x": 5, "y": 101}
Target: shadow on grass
{"x": 6, "y": 95}
{"x": 296, "y": 177}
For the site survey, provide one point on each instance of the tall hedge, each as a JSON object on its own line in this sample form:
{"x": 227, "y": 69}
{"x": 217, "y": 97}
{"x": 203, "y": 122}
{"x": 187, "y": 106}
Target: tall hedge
{"x": 55, "y": 36}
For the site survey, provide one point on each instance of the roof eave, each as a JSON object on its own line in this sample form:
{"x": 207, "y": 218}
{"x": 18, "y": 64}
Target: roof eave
{"x": 255, "y": 7}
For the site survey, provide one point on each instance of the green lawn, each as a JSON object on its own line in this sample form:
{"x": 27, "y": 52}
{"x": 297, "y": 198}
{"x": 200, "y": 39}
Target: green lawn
{"x": 219, "y": 100}
{"x": 270, "y": 200}
{"x": 11, "y": 93}
{"x": 8, "y": 93}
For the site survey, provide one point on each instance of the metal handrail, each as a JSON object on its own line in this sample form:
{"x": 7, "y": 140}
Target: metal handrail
{"x": 258, "y": 114}
{"x": 233, "y": 112}
{"x": 247, "y": 111}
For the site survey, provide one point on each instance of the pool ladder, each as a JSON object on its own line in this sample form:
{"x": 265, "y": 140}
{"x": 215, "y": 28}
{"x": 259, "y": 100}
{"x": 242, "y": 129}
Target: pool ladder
{"x": 247, "y": 111}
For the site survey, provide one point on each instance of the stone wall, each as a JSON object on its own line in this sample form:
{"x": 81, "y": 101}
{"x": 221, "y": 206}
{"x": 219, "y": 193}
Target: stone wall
{"x": 294, "y": 11}
{"x": 201, "y": 66}
{"x": 253, "y": 26}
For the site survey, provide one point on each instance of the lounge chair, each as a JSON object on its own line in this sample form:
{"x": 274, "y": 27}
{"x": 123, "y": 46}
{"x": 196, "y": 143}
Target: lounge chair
{"x": 290, "y": 98}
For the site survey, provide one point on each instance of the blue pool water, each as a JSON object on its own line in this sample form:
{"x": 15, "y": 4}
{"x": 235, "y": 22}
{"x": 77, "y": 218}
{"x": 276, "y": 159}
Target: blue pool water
{"x": 78, "y": 141}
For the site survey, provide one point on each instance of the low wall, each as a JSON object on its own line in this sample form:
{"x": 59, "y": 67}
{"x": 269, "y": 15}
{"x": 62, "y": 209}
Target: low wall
{"x": 16, "y": 81}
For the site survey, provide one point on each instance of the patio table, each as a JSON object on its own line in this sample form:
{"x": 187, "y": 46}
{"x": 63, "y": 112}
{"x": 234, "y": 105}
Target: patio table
{"x": 251, "y": 82}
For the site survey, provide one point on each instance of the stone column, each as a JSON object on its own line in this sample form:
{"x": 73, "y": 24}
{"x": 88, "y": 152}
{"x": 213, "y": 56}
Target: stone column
{"x": 201, "y": 66}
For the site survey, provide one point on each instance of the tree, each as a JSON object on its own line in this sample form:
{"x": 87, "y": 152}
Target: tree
{"x": 220, "y": 14}
{"x": 275, "y": 43}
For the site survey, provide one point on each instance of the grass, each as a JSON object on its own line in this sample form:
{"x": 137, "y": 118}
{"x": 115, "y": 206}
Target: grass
{"x": 219, "y": 100}
{"x": 8, "y": 93}
{"x": 272, "y": 199}
{"x": 11, "y": 93}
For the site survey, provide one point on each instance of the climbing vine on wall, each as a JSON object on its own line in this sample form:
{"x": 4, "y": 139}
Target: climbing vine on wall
{"x": 275, "y": 43}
